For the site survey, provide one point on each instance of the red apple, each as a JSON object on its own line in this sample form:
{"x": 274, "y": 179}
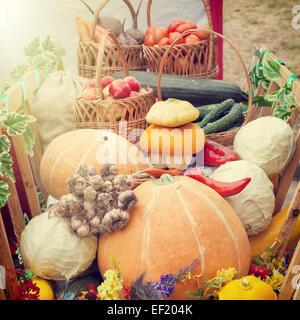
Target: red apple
{"x": 105, "y": 81}
{"x": 119, "y": 89}
{"x": 89, "y": 94}
{"x": 90, "y": 84}
{"x": 134, "y": 94}
{"x": 133, "y": 83}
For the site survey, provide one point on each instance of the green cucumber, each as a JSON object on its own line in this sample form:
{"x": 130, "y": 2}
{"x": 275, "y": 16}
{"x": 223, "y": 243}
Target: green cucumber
{"x": 225, "y": 122}
{"x": 216, "y": 113}
{"x": 204, "y": 110}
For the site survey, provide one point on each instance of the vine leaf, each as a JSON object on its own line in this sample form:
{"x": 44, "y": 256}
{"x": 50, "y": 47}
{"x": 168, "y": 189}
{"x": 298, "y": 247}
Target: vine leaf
{"x": 29, "y": 141}
{"x": 4, "y": 144}
{"x": 272, "y": 70}
{"x": 33, "y": 48}
{"x": 16, "y": 123}
{"x": 6, "y": 169}
{"x": 4, "y": 193}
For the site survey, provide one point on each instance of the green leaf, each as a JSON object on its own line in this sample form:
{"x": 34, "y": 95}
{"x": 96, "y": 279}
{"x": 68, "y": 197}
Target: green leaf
{"x": 26, "y": 219}
{"x": 272, "y": 71}
{"x": 4, "y": 193}
{"x": 29, "y": 141}
{"x": 6, "y": 166}
{"x": 19, "y": 71}
{"x": 4, "y": 144}
{"x": 285, "y": 96}
{"x": 193, "y": 295}
{"x": 16, "y": 123}
{"x": 282, "y": 112}
{"x": 48, "y": 45}
{"x": 266, "y": 100}
{"x": 33, "y": 48}
{"x": 40, "y": 61}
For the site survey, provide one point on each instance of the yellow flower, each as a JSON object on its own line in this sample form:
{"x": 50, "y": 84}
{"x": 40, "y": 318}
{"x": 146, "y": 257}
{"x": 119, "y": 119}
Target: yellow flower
{"x": 276, "y": 280}
{"x": 224, "y": 276}
{"x": 190, "y": 276}
{"x": 111, "y": 287}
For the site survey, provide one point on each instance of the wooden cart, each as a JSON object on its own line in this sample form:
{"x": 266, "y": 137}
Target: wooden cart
{"x": 29, "y": 169}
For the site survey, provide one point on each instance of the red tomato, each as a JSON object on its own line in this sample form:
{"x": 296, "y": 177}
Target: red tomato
{"x": 173, "y": 36}
{"x": 191, "y": 24}
{"x": 149, "y": 40}
{"x": 158, "y": 34}
{"x": 172, "y": 26}
{"x": 202, "y": 34}
{"x": 164, "y": 42}
{"x": 150, "y": 30}
{"x": 183, "y": 27}
{"x": 191, "y": 39}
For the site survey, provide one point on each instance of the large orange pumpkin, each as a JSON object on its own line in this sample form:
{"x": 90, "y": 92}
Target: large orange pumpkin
{"x": 176, "y": 220}
{"x": 94, "y": 147}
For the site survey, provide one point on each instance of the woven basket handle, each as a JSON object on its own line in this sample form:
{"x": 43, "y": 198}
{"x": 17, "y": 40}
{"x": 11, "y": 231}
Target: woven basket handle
{"x": 97, "y": 12}
{"x": 161, "y": 65}
{"x": 210, "y": 24}
{"x": 99, "y": 88}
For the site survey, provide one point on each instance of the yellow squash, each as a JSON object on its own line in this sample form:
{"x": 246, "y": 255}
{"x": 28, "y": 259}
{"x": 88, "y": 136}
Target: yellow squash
{"x": 172, "y": 113}
{"x": 247, "y": 288}
{"x": 264, "y": 239}
{"x": 46, "y": 292}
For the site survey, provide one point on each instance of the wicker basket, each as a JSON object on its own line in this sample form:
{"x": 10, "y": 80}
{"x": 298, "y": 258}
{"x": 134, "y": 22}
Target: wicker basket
{"x": 225, "y": 137}
{"x": 126, "y": 117}
{"x": 203, "y": 54}
{"x": 87, "y": 52}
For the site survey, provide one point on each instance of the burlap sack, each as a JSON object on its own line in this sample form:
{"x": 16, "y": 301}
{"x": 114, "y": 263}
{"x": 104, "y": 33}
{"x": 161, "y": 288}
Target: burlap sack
{"x": 52, "y": 105}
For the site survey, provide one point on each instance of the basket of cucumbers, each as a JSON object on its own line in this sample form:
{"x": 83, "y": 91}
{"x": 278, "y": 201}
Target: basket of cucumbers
{"x": 221, "y": 121}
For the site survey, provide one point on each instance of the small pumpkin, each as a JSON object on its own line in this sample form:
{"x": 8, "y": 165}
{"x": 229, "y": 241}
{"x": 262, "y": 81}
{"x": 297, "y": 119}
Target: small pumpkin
{"x": 172, "y": 113}
{"x": 170, "y": 143}
{"x": 247, "y": 288}
{"x": 176, "y": 220}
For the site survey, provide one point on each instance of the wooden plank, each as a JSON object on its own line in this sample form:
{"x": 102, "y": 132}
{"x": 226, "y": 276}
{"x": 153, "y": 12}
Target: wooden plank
{"x": 27, "y": 175}
{"x": 6, "y": 261}
{"x": 292, "y": 276}
{"x": 15, "y": 210}
{"x": 37, "y": 151}
{"x": 287, "y": 177}
{"x": 15, "y": 92}
{"x": 288, "y": 225}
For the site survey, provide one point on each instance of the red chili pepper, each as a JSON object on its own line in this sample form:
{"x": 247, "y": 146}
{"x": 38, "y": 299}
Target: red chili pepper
{"x": 215, "y": 154}
{"x": 157, "y": 173}
{"x": 225, "y": 189}
{"x": 258, "y": 271}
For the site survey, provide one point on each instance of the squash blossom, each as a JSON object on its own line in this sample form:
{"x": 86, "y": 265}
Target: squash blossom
{"x": 112, "y": 286}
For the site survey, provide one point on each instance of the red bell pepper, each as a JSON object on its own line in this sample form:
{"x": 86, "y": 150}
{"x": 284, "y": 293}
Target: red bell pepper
{"x": 215, "y": 154}
{"x": 225, "y": 189}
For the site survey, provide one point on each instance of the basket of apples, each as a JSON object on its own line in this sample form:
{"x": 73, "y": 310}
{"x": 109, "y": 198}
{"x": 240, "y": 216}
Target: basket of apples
{"x": 194, "y": 55}
{"x": 120, "y": 105}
